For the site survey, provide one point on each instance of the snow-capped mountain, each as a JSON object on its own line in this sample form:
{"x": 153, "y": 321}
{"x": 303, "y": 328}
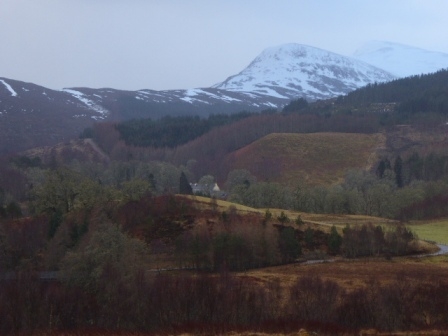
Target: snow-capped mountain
{"x": 32, "y": 115}
{"x": 294, "y": 70}
{"x": 401, "y": 60}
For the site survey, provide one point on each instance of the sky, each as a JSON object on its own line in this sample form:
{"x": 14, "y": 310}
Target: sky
{"x": 181, "y": 44}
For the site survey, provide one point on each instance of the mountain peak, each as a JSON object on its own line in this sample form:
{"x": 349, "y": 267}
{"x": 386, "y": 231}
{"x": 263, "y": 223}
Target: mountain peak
{"x": 400, "y": 59}
{"x": 294, "y": 70}
{"x": 290, "y": 49}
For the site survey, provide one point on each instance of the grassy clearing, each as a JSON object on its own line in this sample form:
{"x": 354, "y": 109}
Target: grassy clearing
{"x": 317, "y": 158}
{"x": 436, "y": 230}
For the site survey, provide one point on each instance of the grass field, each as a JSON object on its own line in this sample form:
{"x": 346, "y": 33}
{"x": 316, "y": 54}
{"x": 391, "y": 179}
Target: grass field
{"x": 436, "y": 230}
{"x": 317, "y": 158}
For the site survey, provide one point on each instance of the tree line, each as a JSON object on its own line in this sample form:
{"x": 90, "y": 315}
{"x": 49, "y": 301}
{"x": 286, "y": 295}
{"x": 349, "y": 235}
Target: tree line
{"x": 404, "y": 189}
{"x": 417, "y": 100}
{"x": 400, "y": 90}
{"x": 204, "y": 303}
{"x": 70, "y": 221}
{"x": 413, "y": 187}
{"x": 170, "y": 131}
{"x": 102, "y": 233}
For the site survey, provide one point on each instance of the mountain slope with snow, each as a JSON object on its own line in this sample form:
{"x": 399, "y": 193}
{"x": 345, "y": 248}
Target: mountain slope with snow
{"x": 32, "y": 115}
{"x": 293, "y": 70}
{"x": 401, "y": 60}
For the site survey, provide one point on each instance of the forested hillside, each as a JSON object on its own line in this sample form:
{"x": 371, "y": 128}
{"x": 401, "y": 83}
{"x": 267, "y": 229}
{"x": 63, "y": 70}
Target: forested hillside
{"x": 172, "y": 131}
{"x": 429, "y": 86}
{"x": 419, "y": 99}
{"x": 210, "y": 149}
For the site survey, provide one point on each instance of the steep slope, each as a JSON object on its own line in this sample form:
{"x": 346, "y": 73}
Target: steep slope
{"x": 317, "y": 158}
{"x": 294, "y": 70}
{"x": 401, "y": 60}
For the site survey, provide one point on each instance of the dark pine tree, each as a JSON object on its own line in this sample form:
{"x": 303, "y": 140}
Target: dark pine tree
{"x": 334, "y": 241}
{"x": 398, "y": 170}
{"x": 381, "y": 169}
{"x": 295, "y": 105}
{"x": 184, "y": 185}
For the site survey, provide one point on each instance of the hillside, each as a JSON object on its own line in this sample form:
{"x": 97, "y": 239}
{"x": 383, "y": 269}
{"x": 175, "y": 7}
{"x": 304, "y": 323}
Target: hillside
{"x": 317, "y": 158}
{"x": 32, "y": 115}
{"x": 82, "y": 150}
{"x": 430, "y": 86}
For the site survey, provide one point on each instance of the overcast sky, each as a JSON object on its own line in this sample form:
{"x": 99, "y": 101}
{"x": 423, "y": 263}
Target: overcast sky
{"x": 180, "y": 44}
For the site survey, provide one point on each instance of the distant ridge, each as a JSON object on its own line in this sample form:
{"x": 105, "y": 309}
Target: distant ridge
{"x": 401, "y": 60}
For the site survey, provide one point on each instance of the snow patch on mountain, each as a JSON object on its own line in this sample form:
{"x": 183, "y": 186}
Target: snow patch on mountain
{"x": 91, "y": 104}
{"x": 401, "y": 60}
{"x": 9, "y": 88}
{"x": 295, "y": 70}
{"x": 187, "y": 96}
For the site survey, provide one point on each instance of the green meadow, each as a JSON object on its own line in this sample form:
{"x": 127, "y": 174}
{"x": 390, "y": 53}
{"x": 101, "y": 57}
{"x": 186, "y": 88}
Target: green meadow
{"x": 436, "y": 230}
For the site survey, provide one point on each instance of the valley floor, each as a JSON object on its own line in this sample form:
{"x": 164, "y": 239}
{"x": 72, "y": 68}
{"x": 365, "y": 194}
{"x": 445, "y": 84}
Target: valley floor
{"x": 352, "y": 274}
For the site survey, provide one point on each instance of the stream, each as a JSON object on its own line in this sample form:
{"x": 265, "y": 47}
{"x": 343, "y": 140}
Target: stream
{"x": 443, "y": 249}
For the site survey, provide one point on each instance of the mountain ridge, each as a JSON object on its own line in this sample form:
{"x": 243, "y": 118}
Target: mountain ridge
{"x": 32, "y": 115}
{"x": 400, "y": 59}
{"x": 296, "y": 70}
